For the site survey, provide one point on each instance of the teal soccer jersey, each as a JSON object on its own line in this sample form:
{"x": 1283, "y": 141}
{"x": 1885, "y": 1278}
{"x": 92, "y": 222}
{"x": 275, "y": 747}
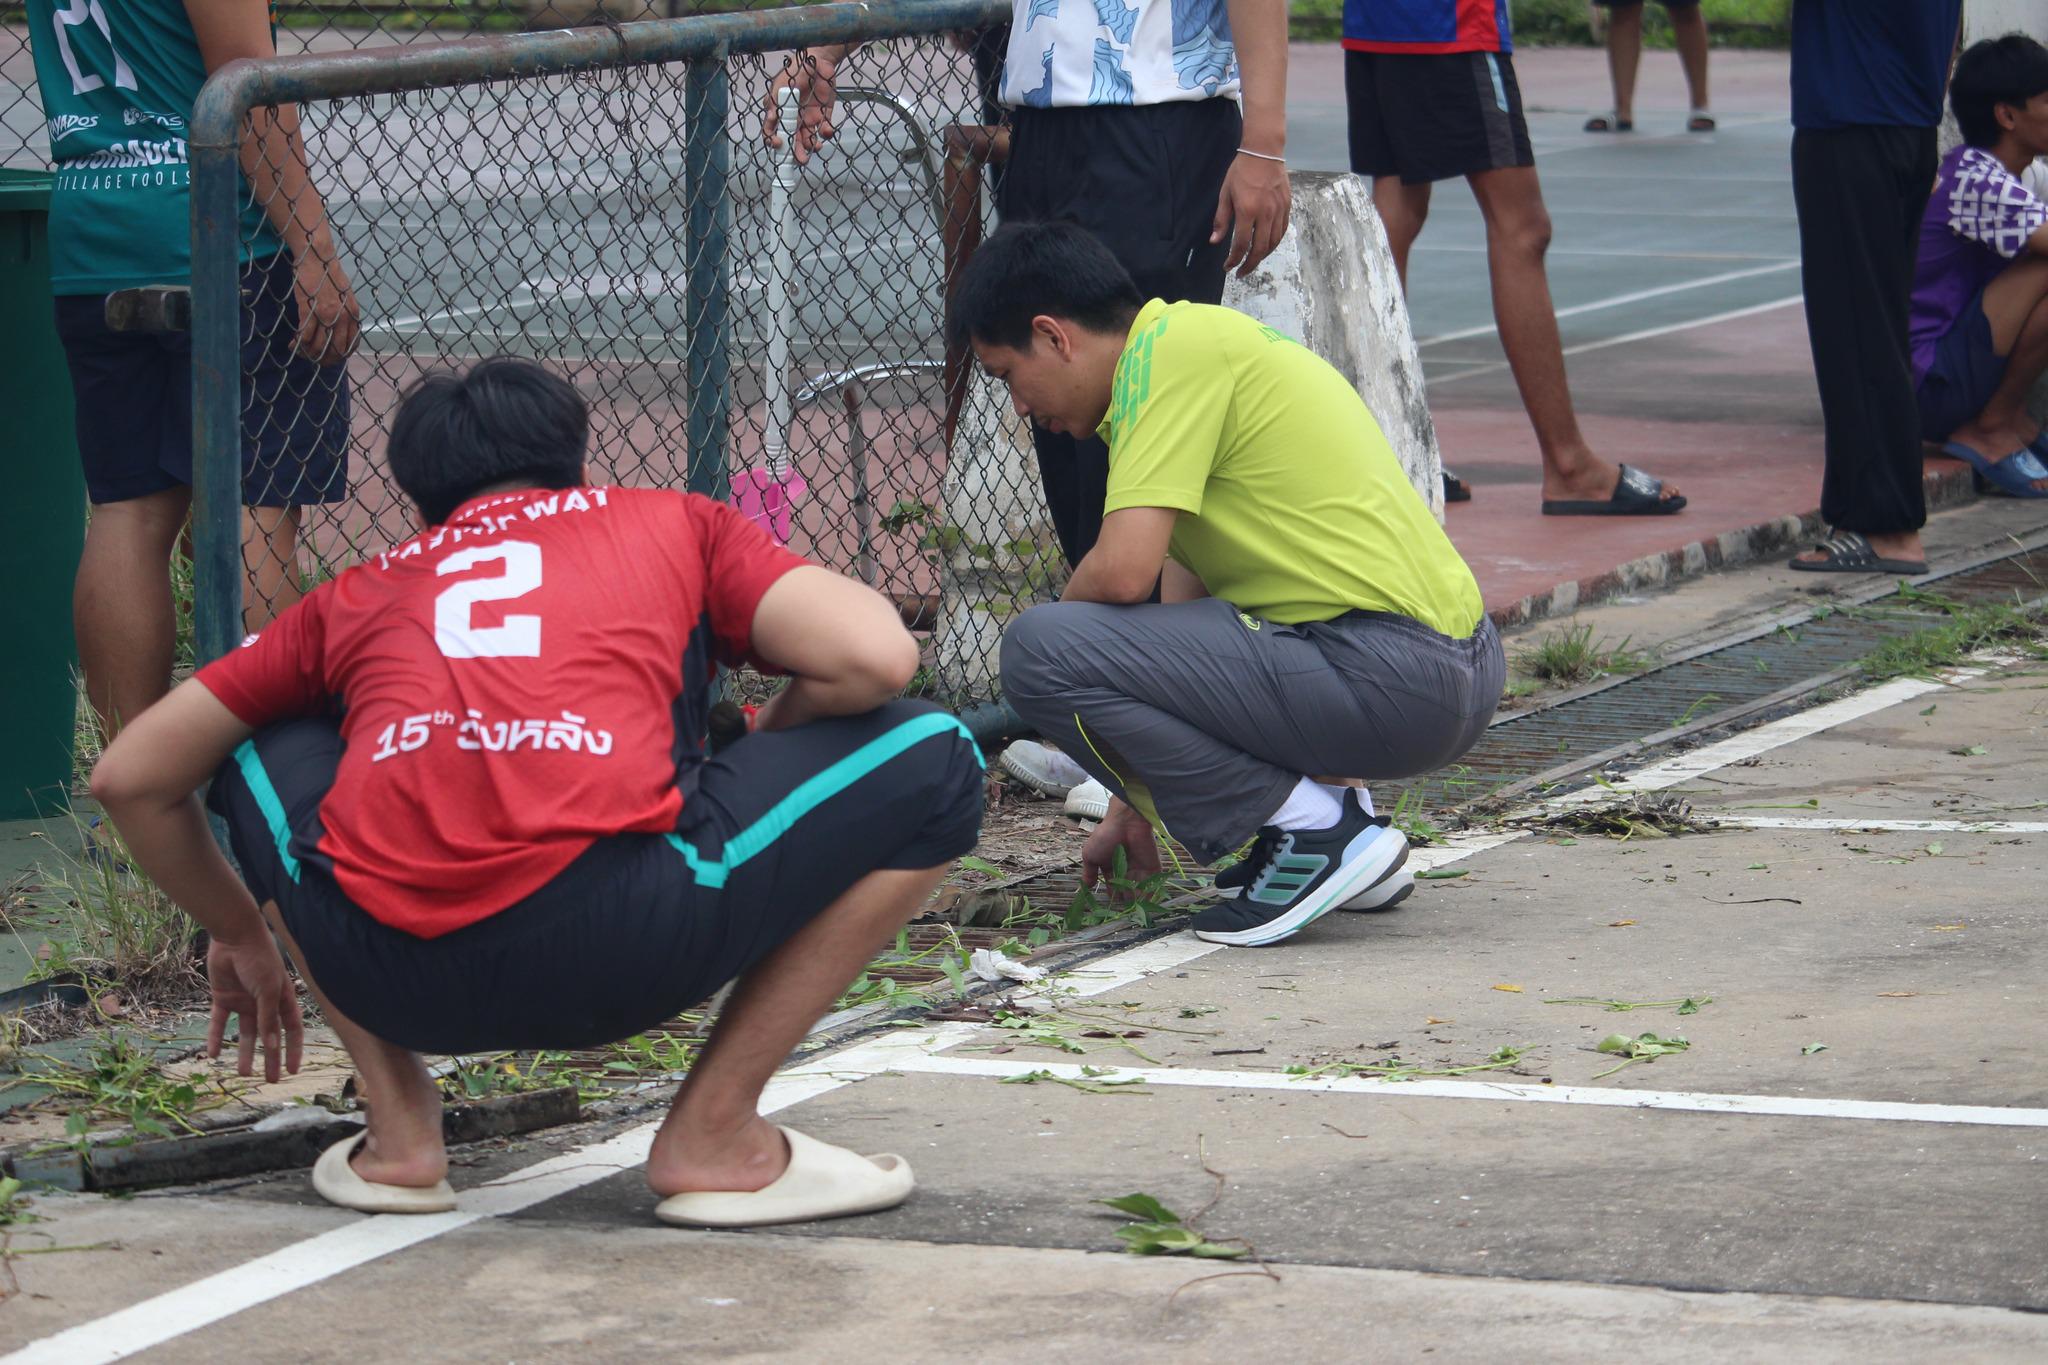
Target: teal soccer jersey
{"x": 118, "y": 80}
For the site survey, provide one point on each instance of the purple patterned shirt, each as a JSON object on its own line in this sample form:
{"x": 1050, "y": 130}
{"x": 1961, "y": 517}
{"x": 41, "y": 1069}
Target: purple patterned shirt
{"x": 1977, "y": 222}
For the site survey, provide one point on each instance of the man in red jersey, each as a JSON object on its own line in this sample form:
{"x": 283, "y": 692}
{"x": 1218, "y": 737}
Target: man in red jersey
{"x": 467, "y": 786}
{"x": 1430, "y": 88}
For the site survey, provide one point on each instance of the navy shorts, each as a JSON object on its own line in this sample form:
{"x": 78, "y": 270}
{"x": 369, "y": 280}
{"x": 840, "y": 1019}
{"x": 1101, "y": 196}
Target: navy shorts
{"x": 1434, "y": 116}
{"x": 1965, "y": 372}
{"x": 133, "y": 394}
{"x": 640, "y": 927}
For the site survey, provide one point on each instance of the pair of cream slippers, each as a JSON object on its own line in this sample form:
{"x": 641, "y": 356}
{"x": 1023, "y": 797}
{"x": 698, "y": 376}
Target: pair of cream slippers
{"x": 822, "y": 1181}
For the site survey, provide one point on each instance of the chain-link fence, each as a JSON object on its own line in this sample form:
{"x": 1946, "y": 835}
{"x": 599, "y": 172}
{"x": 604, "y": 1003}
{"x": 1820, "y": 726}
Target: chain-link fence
{"x": 603, "y": 199}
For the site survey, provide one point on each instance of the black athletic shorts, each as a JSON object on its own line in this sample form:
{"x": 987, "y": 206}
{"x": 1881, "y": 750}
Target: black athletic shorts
{"x": 133, "y": 396}
{"x": 641, "y": 926}
{"x": 1434, "y": 116}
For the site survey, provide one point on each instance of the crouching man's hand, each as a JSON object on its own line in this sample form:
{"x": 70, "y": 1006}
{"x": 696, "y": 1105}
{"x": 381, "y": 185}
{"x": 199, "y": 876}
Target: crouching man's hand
{"x": 249, "y": 979}
{"x": 1123, "y": 828}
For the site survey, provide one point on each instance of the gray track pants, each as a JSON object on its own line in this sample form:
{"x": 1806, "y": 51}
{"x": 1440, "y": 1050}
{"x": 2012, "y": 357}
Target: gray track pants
{"x": 1218, "y": 716}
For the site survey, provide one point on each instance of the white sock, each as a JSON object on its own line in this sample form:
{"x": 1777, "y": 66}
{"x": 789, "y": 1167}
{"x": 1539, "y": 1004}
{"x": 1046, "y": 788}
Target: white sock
{"x": 1308, "y": 806}
{"x": 1341, "y": 793}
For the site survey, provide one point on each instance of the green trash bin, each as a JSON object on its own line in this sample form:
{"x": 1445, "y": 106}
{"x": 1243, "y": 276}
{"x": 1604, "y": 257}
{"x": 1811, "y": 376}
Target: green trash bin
{"x": 46, "y": 526}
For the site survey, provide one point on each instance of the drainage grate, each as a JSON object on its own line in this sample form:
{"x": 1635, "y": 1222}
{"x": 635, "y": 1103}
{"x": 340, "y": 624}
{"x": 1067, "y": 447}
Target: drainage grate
{"x": 1714, "y": 686}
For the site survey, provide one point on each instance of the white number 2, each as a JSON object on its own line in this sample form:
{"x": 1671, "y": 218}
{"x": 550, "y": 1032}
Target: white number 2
{"x": 78, "y": 13}
{"x": 519, "y": 637}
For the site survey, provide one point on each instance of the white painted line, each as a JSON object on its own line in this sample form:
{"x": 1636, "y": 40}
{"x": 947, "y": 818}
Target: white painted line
{"x": 1619, "y": 300}
{"x": 1849, "y": 824}
{"x": 1645, "y": 335}
{"x": 1782, "y": 1106}
{"x": 1763, "y": 739}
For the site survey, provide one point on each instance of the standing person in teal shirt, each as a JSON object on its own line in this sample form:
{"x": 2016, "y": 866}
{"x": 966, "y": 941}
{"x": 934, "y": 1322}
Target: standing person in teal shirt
{"x": 118, "y": 79}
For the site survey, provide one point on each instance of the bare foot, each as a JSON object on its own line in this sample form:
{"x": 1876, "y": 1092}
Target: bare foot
{"x": 1591, "y": 480}
{"x": 419, "y": 1165}
{"x": 697, "y": 1159}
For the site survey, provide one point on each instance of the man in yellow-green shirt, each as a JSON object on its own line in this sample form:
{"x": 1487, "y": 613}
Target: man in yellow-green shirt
{"x": 1312, "y": 617}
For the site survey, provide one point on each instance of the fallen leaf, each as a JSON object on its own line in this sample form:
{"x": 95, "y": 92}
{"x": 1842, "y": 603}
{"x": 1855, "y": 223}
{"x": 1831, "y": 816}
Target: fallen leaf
{"x": 1970, "y": 751}
{"x": 1946, "y": 928}
{"x": 1928, "y": 712}
{"x": 1758, "y": 867}
{"x": 1434, "y": 1020}
{"x": 1934, "y": 850}
{"x": 1812, "y": 1048}
{"x": 1896, "y": 995}
{"x": 1442, "y": 874}
{"x": 1620, "y": 923}
{"x": 1518, "y": 990}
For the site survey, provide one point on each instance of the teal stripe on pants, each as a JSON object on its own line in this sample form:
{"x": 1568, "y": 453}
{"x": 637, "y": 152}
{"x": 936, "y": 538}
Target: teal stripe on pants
{"x": 267, "y": 802}
{"x": 814, "y": 792}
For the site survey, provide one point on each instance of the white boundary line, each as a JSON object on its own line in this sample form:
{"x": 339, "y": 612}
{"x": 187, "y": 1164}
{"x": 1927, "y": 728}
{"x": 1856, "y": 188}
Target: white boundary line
{"x": 1849, "y": 824}
{"x": 912, "y": 1060}
{"x": 1645, "y": 335}
{"x": 1636, "y": 296}
{"x": 228, "y": 1292}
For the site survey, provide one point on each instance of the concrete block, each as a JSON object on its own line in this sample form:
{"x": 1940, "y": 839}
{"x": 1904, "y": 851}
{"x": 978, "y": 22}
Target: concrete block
{"x": 1331, "y": 284}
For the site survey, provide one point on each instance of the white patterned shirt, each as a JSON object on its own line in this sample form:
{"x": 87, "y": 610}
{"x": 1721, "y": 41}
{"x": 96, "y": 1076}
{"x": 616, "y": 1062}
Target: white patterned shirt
{"x": 1065, "y": 53}
{"x": 1978, "y": 221}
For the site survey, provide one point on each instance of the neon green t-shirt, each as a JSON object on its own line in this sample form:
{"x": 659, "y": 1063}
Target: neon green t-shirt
{"x": 117, "y": 82}
{"x": 1293, "y": 506}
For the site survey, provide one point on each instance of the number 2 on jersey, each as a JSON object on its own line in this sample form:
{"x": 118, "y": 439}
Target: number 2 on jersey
{"x": 455, "y": 633}
{"x": 79, "y": 12}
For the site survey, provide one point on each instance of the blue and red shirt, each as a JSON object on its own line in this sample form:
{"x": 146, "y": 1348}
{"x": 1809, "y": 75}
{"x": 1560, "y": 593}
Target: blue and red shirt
{"x": 1426, "y": 26}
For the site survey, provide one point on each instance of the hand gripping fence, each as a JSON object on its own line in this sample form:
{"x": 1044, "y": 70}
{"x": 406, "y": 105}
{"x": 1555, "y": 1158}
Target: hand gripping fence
{"x": 743, "y": 323}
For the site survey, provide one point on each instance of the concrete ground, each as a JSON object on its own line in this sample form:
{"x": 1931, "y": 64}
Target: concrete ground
{"x": 1844, "y": 1164}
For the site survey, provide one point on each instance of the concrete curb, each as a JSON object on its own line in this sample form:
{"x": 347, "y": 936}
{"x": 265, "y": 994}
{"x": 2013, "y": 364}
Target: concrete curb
{"x": 1945, "y": 488}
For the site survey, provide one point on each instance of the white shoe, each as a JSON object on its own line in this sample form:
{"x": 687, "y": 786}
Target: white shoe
{"x": 1384, "y": 894}
{"x": 1089, "y": 800}
{"x": 1045, "y": 770}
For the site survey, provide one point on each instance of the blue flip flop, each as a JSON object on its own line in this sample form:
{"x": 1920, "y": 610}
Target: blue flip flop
{"x": 2013, "y": 476}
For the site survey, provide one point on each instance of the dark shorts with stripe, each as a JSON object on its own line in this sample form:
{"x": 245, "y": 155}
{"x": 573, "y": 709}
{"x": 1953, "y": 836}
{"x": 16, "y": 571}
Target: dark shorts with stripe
{"x": 1430, "y": 116}
{"x": 641, "y": 926}
{"x": 132, "y": 392}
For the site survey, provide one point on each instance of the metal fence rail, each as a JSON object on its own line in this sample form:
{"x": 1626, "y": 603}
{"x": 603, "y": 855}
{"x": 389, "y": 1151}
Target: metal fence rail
{"x": 601, "y": 198}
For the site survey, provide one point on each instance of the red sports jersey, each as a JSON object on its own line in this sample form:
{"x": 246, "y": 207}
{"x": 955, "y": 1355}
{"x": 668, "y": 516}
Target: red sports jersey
{"x": 514, "y": 684}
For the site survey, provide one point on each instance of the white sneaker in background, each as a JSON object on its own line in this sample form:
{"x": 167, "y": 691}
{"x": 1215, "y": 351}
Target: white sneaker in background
{"x": 1089, "y": 800}
{"x": 1045, "y": 770}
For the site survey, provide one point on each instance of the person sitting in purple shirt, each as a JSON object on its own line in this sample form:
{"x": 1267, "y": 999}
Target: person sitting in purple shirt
{"x": 1979, "y": 324}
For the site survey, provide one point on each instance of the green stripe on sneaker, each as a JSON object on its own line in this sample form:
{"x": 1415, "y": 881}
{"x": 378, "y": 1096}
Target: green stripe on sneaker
{"x": 814, "y": 792}
{"x": 266, "y": 801}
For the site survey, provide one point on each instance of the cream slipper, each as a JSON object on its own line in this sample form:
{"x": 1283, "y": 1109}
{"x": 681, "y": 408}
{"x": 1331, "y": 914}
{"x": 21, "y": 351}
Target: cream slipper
{"x": 822, "y": 1181}
{"x": 336, "y": 1181}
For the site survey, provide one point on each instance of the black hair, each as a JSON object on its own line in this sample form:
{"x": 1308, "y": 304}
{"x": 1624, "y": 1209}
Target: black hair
{"x": 2009, "y": 70}
{"x": 502, "y": 420}
{"x": 1028, "y": 270}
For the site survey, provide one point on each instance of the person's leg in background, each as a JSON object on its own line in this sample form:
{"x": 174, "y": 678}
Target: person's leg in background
{"x": 1517, "y": 239}
{"x": 1859, "y": 194}
{"x": 121, "y": 604}
{"x": 1624, "y": 59}
{"x": 1689, "y": 35}
{"x": 133, "y": 414}
{"x": 270, "y": 563}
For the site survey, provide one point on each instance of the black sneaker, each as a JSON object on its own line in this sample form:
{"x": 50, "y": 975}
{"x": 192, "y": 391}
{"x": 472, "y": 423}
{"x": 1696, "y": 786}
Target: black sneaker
{"x": 1300, "y": 875}
{"x": 1386, "y": 893}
